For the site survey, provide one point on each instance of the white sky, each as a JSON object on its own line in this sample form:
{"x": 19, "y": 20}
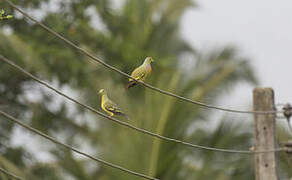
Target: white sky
{"x": 262, "y": 29}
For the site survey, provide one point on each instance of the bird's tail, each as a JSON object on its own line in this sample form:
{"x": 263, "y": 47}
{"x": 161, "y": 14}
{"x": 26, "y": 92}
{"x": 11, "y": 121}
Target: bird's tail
{"x": 131, "y": 84}
{"x": 123, "y": 114}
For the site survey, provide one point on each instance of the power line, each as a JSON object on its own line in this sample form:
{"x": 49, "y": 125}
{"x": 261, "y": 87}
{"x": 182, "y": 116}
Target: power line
{"x": 54, "y": 140}
{"x": 10, "y": 174}
{"x": 127, "y": 124}
{"x": 98, "y": 60}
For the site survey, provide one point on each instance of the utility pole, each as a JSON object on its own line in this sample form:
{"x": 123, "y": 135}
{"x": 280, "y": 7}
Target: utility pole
{"x": 264, "y": 134}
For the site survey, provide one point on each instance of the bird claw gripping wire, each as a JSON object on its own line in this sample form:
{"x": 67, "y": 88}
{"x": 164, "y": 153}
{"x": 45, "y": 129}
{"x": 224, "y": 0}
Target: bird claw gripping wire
{"x": 287, "y": 112}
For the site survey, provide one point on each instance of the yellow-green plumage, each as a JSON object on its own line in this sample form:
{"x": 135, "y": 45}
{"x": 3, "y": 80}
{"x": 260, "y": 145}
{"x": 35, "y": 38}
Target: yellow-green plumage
{"x": 141, "y": 72}
{"x": 3, "y": 16}
{"x": 109, "y": 106}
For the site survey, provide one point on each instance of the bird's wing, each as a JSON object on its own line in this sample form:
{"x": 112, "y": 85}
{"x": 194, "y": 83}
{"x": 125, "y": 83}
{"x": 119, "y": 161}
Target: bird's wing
{"x": 112, "y": 107}
{"x": 139, "y": 73}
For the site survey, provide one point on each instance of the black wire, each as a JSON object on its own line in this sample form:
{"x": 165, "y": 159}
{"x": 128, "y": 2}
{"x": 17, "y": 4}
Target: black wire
{"x": 10, "y": 174}
{"x": 128, "y": 76}
{"x": 127, "y": 124}
{"x": 54, "y": 140}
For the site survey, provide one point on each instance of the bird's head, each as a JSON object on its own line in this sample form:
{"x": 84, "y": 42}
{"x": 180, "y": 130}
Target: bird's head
{"x": 148, "y": 60}
{"x": 102, "y": 91}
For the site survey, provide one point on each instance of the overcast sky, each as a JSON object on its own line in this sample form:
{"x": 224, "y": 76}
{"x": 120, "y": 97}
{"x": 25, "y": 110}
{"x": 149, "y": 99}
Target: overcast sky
{"x": 262, "y": 29}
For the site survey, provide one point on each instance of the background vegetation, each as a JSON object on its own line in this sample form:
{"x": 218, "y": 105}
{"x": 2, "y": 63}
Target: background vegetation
{"x": 123, "y": 35}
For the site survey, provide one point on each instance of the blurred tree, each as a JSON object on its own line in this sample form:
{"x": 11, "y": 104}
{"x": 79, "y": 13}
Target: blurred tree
{"x": 123, "y": 36}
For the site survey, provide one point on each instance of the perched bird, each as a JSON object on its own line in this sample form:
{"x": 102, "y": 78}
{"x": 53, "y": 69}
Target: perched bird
{"x": 141, "y": 72}
{"x": 3, "y": 16}
{"x": 108, "y": 106}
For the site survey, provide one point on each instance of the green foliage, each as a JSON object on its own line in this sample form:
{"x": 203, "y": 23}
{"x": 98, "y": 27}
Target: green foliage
{"x": 122, "y": 37}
